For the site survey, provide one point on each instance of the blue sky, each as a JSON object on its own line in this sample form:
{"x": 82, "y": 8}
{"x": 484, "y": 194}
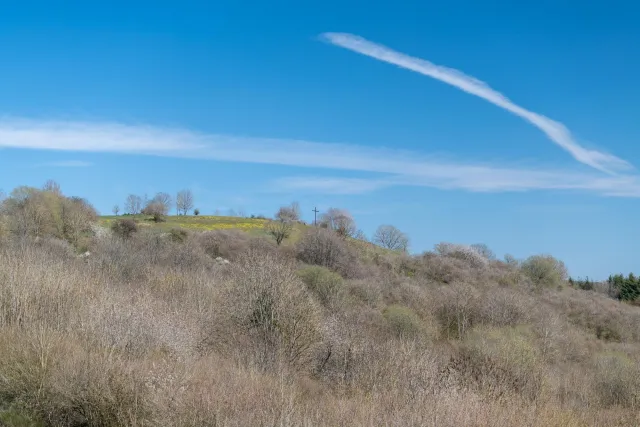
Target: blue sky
{"x": 508, "y": 124}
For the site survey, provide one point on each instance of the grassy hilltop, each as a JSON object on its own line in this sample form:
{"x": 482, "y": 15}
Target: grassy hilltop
{"x": 193, "y": 223}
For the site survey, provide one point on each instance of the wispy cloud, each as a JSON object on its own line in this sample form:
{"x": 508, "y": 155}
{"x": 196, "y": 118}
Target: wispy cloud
{"x": 555, "y": 131}
{"x": 328, "y": 185}
{"x": 493, "y": 180}
{"x": 68, "y": 164}
{"x": 390, "y": 167}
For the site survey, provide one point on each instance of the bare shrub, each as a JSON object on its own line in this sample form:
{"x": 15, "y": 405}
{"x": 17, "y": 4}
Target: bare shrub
{"x": 228, "y": 244}
{"x": 273, "y": 316}
{"x": 118, "y": 260}
{"x": 178, "y": 235}
{"x": 617, "y": 380}
{"x": 457, "y": 309}
{"x": 37, "y": 285}
{"x": 606, "y": 319}
{"x": 124, "y": 228}
{"x": 325, "y": 248}
{"x": 462, "y": 252}
{"x": 156, "y": 210}
{"x": 365, "y": 291}
{"x": 441, "y": 269}
{"x": 505, "y": 307}
{"x": 502, "y": 361}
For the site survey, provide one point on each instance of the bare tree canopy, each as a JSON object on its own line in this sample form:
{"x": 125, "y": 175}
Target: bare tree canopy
{"x": 340, "y": 221}
{"x": 133, "y": 204}
{"x": 484, "y": 250}
{"x": 289, "y": 213}
{"x": 52, "y": 186}
{"x": 463, "y": 252}
{"x": 390, "y": 237}
{"x": 184, "y": 202}
{"x": 156, "y": 209}
{"x": 164, "y": 200}
{"x": 116, "y": 210}
{"x": 279, "y": 230}
{"x": 40, "y": 213}
{"x": 359, "y": 235}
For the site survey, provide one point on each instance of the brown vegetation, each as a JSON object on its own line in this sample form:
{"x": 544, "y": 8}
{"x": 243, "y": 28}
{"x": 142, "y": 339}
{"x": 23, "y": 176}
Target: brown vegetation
{"x": 151, "y": 330}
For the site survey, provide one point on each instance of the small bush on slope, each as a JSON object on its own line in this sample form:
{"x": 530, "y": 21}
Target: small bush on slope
{"x": 503, "y": 360}
{"x": 324, "y": 247}
{"x": 322, "y": 282}
{"x": 124, "y": 228}
{"x": 544, "y": 270}
{"x": 403, "y": 321}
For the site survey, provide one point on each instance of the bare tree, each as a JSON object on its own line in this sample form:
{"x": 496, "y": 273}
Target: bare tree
{"x": 295, "y": 208}
{"x": 184, "y": 202}
{"x": 279, "y": 229}
{"x": 359, "y": 235}
{"x": 77, "y": 216}
{"x": 156, "y": 209}
{"x": 289, "y": 213}
{"x": 390, "y": 237}
{"x": 133, "y": 205}
{"x": 52, "y": 186}
{"x": 45, "y": 212}
{"x": 340, "y": 221}
{"x": 164, "y": 200}
{"x": 116, "y": 210}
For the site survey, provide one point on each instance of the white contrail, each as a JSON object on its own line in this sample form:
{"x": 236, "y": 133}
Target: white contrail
{"x": 557, "y": 132}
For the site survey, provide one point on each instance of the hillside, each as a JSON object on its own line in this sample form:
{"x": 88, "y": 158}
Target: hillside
{"x": 325, "y": 330}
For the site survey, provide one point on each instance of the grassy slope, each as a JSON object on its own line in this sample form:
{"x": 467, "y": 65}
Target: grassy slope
{"x": 253, "y": 226}
{"x": 194, "y": 223}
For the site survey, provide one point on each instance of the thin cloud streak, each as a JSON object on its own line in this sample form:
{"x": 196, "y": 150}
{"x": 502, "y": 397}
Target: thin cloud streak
{"x": 149, "y": 140}
{"x": 555, "y": 131}
{"x": 396, "y": 168}
{"x": 69, "y": 164}
{"x": 522, "y": 181}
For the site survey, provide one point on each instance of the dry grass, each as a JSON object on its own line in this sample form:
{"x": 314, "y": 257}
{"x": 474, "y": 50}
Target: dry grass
{"x": 152, "y": 331}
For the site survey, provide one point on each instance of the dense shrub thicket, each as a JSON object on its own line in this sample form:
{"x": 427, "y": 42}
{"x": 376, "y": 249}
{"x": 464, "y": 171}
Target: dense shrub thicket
{"x": 152, "y": 328}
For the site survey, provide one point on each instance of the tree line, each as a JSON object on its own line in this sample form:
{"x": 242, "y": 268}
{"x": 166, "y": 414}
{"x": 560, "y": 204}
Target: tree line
{"x": 159, "y": 206}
